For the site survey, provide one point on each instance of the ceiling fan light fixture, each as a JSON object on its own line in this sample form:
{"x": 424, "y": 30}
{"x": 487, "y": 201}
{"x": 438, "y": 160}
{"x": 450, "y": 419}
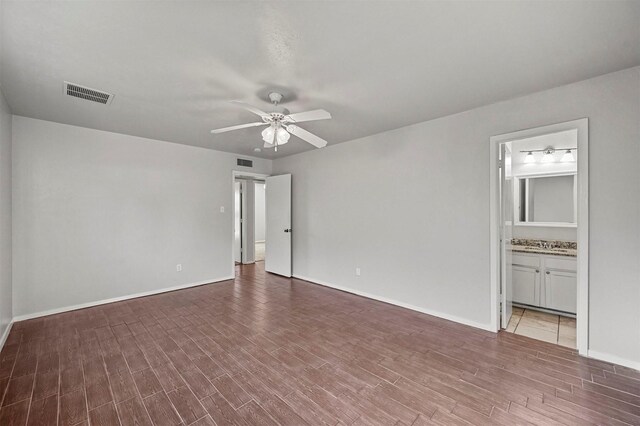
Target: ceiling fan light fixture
{"x": 282, "y": 136}
{"x": 268, "y": 134}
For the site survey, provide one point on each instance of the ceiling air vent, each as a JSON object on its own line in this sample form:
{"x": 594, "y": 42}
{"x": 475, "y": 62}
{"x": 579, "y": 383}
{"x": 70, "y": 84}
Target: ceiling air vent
{"x": 86, "y": 93}
{"x": 245, "y": 163}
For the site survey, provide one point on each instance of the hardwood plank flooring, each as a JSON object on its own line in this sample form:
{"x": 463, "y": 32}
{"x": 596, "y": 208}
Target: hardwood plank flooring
{"x": 263, "y": 349}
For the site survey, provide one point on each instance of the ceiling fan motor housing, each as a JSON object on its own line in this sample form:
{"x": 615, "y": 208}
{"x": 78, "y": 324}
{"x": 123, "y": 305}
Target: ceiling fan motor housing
{"x": 274, "y": 117}
{"x": 275, "y": 97}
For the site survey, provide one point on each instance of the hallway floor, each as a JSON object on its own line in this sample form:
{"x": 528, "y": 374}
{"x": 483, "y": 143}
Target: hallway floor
{"x": 260, "y": 251}
{"x": 267, "y": 350}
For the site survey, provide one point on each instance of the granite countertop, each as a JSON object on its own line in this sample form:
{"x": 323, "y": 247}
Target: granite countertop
{"x": 548, "y": 247}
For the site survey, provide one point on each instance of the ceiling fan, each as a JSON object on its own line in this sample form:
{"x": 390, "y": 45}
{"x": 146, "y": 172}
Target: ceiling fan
{"x": 281, "y": 124}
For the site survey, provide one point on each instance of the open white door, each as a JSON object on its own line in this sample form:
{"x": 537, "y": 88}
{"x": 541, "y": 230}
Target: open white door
{"x": 506, "y": 223}
{"x": 278, "y": 225}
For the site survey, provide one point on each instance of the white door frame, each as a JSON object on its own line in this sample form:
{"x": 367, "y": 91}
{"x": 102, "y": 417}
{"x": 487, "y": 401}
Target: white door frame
{"x": 582, "y": 312}
{"x": 506, "y": 275}
{"x": 237, "y": 175}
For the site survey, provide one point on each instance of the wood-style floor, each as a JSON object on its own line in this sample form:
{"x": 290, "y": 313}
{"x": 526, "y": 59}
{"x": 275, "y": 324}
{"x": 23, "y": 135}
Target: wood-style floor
{"x": 264, "y": 350}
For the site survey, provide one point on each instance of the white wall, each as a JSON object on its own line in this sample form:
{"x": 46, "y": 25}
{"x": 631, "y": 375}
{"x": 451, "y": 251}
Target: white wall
{"x": 6, "y": 311}
{"x": 99, "y": 215}
{"x": 350, "y": 208}
{"x": 260, "y": 214}
{"x": 519, "y": 169}
{"x": 545, "y": 233}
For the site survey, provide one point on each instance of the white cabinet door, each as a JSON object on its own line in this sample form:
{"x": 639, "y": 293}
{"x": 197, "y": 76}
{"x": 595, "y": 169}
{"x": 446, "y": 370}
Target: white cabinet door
{"x": 560, "y": 290}
{"x": 526, "y": 285}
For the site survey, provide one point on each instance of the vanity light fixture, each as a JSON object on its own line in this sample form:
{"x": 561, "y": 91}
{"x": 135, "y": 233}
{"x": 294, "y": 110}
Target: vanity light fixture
{"x": 529, "y": 158}
{"x": 548, "y": 155}
{"x": 568, "y": 156}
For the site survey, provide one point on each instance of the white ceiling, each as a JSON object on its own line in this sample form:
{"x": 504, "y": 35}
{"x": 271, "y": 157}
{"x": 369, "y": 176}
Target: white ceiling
{"x": 374, "y": 65}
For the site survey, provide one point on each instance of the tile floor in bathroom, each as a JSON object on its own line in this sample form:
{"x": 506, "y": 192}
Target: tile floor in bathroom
{"x": 543, "y": 326}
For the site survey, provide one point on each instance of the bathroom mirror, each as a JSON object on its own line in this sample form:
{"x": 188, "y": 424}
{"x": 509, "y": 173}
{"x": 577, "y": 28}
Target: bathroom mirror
{"x": 546, "y": 200}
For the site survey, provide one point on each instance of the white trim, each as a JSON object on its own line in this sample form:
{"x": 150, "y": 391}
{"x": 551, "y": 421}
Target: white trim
{"x": 547, "y": 224}
{"x": 3, "y": 339}
{"x": 516, "y": 201}
{"x": 543, "y": 174}
{"x": 614, "y": 359}
{"x": 582, "y": 127}
{"x": 117, "y": 299}
{"x": 448, "y": 317}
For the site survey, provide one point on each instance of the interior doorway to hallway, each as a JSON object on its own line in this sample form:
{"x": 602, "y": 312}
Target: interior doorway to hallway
{"x": 259, "y": 220}
{"x": 249, "y": 241}
{"x": 262, "y": 221}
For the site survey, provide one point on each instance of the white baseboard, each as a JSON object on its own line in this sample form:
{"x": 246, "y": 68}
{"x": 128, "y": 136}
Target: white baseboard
{"x": 117, "y": 299}
{"x": 453, "y": 318}
{"x": 613, "y": 359}
{"x": 592, "y": 354}
{"x": 3, "y": 339}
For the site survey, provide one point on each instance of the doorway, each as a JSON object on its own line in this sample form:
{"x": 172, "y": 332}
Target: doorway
{"x": 248, "y": 218}
{"x": 237, "y": 222}
{"x": 539, "y": 235}
{"x": 260, "y": 219}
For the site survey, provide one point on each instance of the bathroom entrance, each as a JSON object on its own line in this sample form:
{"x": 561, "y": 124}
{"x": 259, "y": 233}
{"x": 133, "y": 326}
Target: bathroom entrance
{"x": 539, "y": 235}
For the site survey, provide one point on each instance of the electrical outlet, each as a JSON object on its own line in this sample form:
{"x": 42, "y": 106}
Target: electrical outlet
{"x": 179, "y": 267}
{"x": 357, "y": 272}
{"x": 222, "y": 209}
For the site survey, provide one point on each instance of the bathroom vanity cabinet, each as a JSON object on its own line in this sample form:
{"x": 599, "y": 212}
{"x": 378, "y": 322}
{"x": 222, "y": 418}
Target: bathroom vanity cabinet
{"x": 545, "y": 281}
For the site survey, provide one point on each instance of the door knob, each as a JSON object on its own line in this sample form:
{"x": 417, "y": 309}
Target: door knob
{"x": 287, "y": 230}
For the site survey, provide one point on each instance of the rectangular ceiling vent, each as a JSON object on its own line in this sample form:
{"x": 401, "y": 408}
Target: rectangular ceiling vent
{"x": 245, "y": 163}
{"x": 88, "y": 94}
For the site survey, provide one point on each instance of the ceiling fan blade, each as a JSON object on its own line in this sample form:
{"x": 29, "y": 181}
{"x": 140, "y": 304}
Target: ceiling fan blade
{"x": 239, "y": 126}
{"x": 251, "y": 108}
{"x": 306, "y": 136}
{"x": 316, "y": 114}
